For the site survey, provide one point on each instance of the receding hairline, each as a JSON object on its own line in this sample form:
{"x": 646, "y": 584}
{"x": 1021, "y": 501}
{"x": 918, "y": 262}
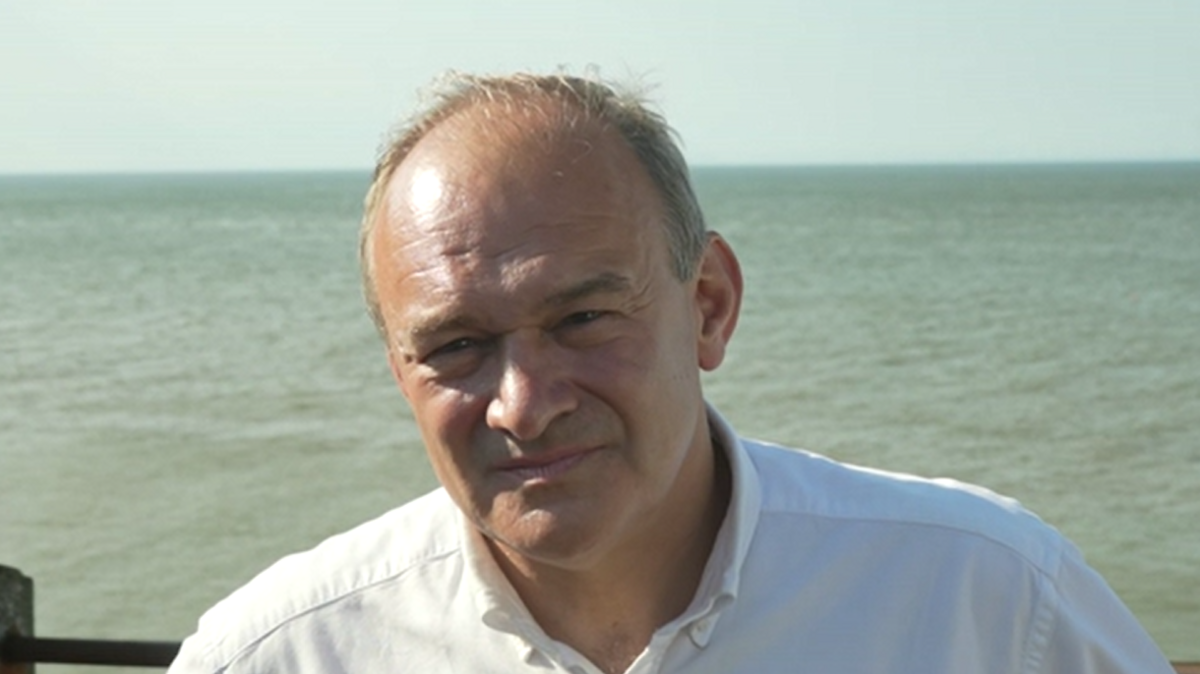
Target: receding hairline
{"x": 559, "y": 116}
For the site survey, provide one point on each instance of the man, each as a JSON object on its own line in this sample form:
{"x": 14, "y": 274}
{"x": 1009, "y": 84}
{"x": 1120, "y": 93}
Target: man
{"x": 536, "y": 262}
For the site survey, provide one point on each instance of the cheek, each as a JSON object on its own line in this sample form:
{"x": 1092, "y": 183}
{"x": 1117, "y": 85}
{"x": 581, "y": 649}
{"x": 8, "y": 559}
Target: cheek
{"x": 655, "y": 355}
{"x": 447, "y": 419}
{"x": 641, "y": 379}
{"x": 439, "y": 408}
{"x": 445, "y": 422}
{"x": 654, "y": 381}
{"x": 620, "y": 366}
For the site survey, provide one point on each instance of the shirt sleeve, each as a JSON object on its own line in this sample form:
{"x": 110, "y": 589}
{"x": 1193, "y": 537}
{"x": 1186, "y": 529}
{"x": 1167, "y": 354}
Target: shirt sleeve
{"x": 1089, "y": 630}
{"x": 190, "y": 659}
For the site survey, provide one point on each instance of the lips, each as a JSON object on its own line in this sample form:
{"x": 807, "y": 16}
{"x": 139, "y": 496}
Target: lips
{"x": 543, "y": 467}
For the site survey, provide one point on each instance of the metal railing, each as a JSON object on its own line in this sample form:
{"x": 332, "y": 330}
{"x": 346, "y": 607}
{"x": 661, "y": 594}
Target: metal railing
{"x": 18, "y": 648}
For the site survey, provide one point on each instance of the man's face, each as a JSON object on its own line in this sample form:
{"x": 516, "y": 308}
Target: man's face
{"x": 550, "y": 357}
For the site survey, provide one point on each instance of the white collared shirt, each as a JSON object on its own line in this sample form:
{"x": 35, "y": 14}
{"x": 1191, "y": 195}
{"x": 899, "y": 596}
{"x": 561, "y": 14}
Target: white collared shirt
{"x": 818, "y": 567}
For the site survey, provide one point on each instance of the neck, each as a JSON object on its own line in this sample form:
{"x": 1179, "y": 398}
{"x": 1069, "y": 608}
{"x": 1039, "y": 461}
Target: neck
{"x": 609, "y": 610}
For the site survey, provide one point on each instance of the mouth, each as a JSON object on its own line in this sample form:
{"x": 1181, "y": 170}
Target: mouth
{"x": 543, "y": 467}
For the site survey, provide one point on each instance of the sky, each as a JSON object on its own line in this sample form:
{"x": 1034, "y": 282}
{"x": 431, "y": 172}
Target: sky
{"x": 173, "y": 85}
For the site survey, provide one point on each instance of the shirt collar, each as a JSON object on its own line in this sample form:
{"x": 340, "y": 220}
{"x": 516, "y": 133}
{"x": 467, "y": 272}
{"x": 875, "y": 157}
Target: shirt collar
{"x": 496, "y": 601}
{"x": 722, "y": 575}
{"x": 500, "y": 608}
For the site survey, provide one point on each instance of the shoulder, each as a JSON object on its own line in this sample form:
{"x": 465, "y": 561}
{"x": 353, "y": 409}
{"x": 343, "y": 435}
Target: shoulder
{"x": 409, "y": 539}
{"x": 936, "y": 571}
{"x": 799, "y": 483}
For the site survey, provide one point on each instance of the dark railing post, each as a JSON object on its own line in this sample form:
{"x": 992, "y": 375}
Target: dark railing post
{"x": 20, "y": 649}
{"x": 16, "y": 613}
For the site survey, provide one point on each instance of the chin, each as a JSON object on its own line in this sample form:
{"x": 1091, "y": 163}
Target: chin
{"x": 550, "y": 538}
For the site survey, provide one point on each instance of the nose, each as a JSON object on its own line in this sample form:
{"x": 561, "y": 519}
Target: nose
{"x": 533, "y": 389}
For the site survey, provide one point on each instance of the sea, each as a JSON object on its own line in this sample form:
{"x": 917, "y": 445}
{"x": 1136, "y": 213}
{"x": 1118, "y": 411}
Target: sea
{"x": 190, "y": 387}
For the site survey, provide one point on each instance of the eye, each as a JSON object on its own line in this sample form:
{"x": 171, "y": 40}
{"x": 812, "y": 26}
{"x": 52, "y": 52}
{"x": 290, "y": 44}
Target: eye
{"x": 582, "y": 318}
{"x": 452, "y": 347}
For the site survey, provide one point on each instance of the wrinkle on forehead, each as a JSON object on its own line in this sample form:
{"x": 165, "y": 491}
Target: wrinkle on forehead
{"x": 440, "y": 207}
{"x": 440, "y": 257}
{"x": 495, "y": 288}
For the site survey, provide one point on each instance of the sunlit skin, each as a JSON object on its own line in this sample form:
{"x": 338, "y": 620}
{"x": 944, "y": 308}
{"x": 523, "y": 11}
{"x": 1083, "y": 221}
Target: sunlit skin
{"x": 551, "y": 360}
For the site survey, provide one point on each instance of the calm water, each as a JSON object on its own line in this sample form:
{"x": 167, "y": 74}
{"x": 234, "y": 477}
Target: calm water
{"x": 190, "y": 389}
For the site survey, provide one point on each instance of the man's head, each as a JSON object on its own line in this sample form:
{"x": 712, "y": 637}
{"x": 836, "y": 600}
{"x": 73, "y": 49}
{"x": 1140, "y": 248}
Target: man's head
{"x": 545, "y": 325}
{"x": 585, "y": 102}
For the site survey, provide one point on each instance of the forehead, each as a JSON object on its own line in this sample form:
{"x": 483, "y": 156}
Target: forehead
{"x": 502, "y": 152}
{"x": 489, "y": 195}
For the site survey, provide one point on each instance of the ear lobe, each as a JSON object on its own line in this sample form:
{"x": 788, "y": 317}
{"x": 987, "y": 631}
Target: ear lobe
{"x": 718, "y": 301}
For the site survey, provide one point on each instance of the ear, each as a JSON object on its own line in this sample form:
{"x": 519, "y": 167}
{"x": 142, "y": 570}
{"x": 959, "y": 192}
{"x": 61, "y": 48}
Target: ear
{"x": 718, "y": 301}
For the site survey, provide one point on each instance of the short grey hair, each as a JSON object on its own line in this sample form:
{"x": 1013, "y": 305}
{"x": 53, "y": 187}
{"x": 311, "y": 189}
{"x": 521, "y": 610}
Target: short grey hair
{"x": 623, "y": 109}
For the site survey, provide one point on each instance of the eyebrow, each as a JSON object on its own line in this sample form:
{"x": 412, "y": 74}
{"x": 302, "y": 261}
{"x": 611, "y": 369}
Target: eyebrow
{"x": 603, "y": 283}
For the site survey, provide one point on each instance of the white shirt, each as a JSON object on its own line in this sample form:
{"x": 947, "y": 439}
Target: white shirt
{"x": 818, "y": 567}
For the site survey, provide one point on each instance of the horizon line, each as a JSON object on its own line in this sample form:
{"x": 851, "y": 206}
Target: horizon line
{"x": 1016, "y": 163}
